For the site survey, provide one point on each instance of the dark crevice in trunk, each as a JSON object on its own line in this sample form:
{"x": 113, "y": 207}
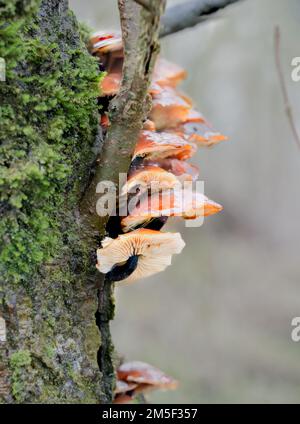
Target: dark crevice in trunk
{"x": 104, "y": 314}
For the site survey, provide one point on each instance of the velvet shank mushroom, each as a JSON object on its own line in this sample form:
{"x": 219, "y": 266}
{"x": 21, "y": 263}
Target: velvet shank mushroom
{"x": 138, "y": 254}
{"x": 201, "y": 133}
{"x": 103, "y": 42}
{"x": 166, "y": 74}
{"x": 110, "y": 84}
{"x": 169, "y": 109}
{"x": 169, "y": 204}
{"x": 160, "y": 145}
{"x": 146, "y": 177}
{"x": 183, "y": 170}
{"x": 139, "y": 377}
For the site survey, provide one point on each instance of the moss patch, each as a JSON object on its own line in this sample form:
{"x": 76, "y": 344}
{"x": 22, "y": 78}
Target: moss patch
{"x": 18, "y": 363}
{"x": 48, "y": 118}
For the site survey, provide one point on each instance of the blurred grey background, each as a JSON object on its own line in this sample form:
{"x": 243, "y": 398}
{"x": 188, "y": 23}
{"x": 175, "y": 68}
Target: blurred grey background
{"x": 219, "y": 319}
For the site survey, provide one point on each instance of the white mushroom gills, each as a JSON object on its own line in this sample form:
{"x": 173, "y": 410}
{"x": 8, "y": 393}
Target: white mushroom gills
{"x": 154, "y": 248}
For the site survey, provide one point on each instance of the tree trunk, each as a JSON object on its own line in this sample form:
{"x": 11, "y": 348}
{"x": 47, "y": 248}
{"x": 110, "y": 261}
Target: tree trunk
{"x": 49, "y": 139}
{"x": 55, "y": 308}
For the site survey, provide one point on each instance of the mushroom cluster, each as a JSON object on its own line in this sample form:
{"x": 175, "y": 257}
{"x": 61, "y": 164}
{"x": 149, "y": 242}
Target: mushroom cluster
{"x": 136, "y": 247}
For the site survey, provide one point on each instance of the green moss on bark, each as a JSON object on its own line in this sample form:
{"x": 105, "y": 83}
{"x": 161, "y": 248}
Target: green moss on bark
{"x": 48, "y": 120}
{"x": 48, "y": 133}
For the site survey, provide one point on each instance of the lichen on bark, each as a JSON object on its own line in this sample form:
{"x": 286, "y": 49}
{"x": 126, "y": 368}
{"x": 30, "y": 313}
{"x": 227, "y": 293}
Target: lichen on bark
{"x": 49, "y": 127}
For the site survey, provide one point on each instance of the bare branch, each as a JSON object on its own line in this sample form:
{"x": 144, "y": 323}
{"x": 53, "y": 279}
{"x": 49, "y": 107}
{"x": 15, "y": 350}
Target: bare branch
{"x": 127, "y": 110}
{"x": 140, "y": 31}
{"x": 287, "y": 105}
{"x": 189, "y": 14}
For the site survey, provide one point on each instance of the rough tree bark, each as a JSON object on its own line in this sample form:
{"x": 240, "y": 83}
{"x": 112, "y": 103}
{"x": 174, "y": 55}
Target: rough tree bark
{"x": 48, "y": 140}
{"x": 50, "y": 290}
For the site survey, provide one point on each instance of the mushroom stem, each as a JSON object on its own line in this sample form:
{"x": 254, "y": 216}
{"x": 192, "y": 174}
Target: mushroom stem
{"x": 157, "y": 223}
{"x": 120, "y": 272}
{"x": 113, "y": 226}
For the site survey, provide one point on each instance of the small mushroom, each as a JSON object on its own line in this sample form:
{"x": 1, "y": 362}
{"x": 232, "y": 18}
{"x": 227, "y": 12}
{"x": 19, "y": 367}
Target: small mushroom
{"x": 142, "y": 373}
{"x": 138, "y": 254}
{"x": 160, "y": 145}
{"x": 149, "y": 125}
{"x": 169, "y": 204}
{"x": 203, "y": 134}
{"x": 124, "y": 387}
{"x": 105, "y": 42}
{"x": 137, "y": 377}
{"x": 169, "y": 109}
{"x": 147, "y": 177}
{"x": 182, "y": 169}
{"x": 110, "y": 84}
{"x": 195, "y": 116}
{"x": 199, "y": 132}
{"x": 104, "y": 121}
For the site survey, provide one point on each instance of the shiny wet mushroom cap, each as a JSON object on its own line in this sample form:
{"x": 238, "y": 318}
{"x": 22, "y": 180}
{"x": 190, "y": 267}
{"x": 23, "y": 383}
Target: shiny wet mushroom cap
{"x": 142, "y": 373}
{"x": 149, "y": 125}
{"x": 123, "y": 387}
{"x": 137, "y": 377}
{"x": 160, "y": 145}
{"x": 169, "y": 109}
{"x": 177, "y": 167}
{"x": 138, "y": 254}
{"x": 147, "y": 177}
{"x": 198, "y": 132}
{"x": 110, "y": 84}
{"x": 184, "y": 204}
{"x": 103, "y": 42}
{"x": 166, "y": 74}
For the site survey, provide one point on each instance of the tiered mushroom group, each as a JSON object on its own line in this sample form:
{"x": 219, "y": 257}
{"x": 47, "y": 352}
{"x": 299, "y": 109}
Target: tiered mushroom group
{"x": 136, "y": 248}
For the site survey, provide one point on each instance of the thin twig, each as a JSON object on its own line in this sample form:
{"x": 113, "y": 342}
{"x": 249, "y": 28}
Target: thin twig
{"x": 190, "y": 13}
{"x": 128, "y": 109}
{"x": 287, "y": 105}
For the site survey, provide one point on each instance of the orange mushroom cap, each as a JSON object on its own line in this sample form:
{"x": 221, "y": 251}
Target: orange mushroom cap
{"x": 166, "y": 74}
{"x": 104, "y": 121}
{"x": 110, "y": 84}
{"x": 195, "y": 116}
{"x": 149, "y": 125}
{"x": 149, "y": 176}
{"x": 139, "y": 377}
{"x": 177, "y": 167}
{"x": 200, "y": 133}
{"x": 104, "y": 42}
{"x": 188, "y": 205}
{"x": 153, "y": 145}
{"x": 143, "y": 373}
{"x": 203, "y": 134}
{"x": 123, "y": 387}
{"x": 169, "y": 109}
